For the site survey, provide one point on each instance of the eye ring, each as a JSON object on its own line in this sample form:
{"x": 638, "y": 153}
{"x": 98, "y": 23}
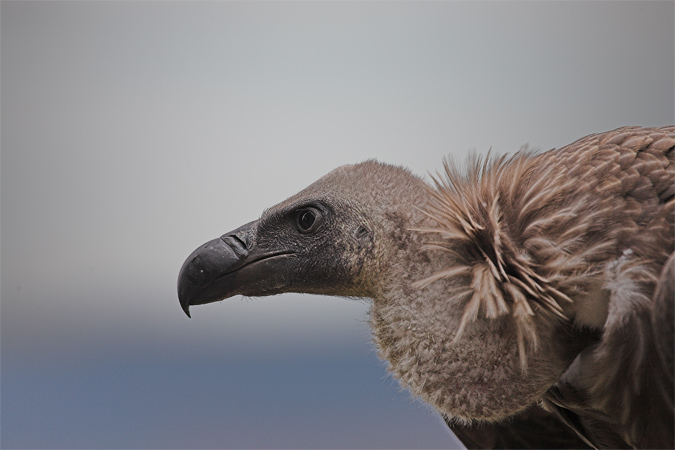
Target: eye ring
{"x": 307, "y": 220}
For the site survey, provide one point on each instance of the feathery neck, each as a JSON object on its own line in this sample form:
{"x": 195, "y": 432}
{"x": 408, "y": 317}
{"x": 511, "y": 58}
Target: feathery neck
{"x": 426, "y": 321}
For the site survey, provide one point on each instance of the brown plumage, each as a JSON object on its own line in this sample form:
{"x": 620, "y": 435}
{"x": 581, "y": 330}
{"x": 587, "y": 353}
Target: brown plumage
{"x": 528, "y": 298}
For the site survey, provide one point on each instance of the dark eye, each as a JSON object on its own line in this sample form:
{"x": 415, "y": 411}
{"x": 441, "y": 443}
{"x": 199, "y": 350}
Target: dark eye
{"x": 306, "y": 220}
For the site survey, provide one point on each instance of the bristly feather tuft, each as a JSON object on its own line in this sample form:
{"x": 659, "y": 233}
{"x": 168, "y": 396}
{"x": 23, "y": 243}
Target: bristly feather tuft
{"x": 518, "y": 235}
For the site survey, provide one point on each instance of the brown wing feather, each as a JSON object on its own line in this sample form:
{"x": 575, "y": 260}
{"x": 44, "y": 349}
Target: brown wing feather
{"x": 621, "y": 383}
{"x": 532, "y": 232}
{"x": 538, "y": 237}
{"x": 663, "y": 324}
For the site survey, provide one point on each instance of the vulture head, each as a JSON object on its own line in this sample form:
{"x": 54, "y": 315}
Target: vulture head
{"x": 336, "y": 237}
{"x": 492, "y": 289}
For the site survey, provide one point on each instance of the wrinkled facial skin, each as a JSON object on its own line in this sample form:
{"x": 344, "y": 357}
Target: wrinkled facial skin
{"x": 318, "y": 228}
{"x": 278, "y": 253}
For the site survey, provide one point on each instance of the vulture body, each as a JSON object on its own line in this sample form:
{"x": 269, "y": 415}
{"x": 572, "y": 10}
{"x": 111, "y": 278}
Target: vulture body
{"x": 529, "y": 298}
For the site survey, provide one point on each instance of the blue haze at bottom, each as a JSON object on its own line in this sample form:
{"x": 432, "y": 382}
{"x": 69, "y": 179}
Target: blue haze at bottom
{"x": 143, "y": 388}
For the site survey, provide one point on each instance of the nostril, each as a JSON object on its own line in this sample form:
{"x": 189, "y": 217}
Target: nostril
{"x": 236, "y": 243}
{"x": 239, "y": 240}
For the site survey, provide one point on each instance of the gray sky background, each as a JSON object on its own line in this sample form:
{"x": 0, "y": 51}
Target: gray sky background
{"x": 132, "y": 132}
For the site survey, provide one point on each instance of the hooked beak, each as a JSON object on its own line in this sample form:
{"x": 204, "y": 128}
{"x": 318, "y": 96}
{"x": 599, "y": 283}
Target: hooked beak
{"x": 230, "y": 265}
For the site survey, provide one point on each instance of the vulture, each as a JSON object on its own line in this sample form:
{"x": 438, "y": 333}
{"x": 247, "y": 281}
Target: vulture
{"x": 527, "y": 297}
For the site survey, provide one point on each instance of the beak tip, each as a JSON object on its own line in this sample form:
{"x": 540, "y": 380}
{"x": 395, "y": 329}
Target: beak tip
{"x": 185, "y": 305}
